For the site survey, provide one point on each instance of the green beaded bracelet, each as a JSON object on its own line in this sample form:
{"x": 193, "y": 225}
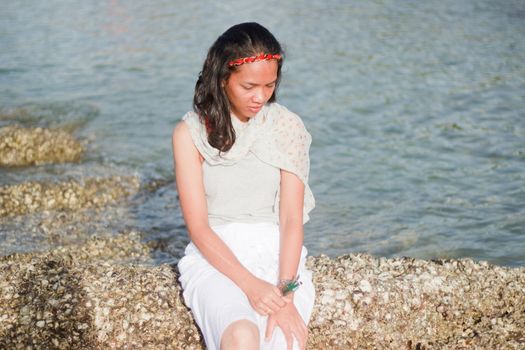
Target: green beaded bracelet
{"x": 288, "y": 286}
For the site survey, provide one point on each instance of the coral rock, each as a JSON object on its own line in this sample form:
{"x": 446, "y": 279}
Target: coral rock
{"x": 33, "y": 146}
{"x": 107, "y": 294}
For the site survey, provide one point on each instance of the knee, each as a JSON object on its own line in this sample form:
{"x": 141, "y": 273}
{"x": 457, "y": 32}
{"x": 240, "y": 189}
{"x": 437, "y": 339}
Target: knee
{"x": 242, "y": 334}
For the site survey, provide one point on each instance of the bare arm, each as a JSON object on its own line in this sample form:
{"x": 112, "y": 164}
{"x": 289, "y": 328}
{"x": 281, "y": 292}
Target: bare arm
{"x": 290, "y": 224}
{"x": 291, "y": 235}
{"x": 188, "y": 172}
{"x": 264, "y": 297}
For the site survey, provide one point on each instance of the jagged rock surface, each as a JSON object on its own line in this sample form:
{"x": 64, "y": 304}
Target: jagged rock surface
{"x": 28, "y": 197}
{"x": 106, "y": 294}
{"x": 34, "y": 146}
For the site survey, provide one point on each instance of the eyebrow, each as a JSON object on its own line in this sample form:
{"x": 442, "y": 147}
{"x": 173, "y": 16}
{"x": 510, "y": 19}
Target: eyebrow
{"x": 254, "y": 84}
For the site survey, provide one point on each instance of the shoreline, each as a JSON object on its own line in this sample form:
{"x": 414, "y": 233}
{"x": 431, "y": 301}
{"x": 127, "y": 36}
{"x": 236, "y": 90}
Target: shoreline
{"x": 96, "y": 289}
{"x": 107, "y": 293}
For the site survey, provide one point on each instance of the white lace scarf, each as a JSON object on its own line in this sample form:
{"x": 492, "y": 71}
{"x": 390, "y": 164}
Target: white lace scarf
{"x": 275, "y": 135}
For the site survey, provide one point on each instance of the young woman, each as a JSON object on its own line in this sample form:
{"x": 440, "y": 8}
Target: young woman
{"x": 241, "y": 166}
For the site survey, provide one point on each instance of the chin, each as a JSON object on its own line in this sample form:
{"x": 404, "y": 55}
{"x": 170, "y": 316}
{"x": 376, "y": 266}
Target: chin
{"x": 249, "y": 115}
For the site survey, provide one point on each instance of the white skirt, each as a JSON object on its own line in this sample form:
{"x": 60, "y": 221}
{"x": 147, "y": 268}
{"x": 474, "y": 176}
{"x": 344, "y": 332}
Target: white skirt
{"x": 215, "y": 301}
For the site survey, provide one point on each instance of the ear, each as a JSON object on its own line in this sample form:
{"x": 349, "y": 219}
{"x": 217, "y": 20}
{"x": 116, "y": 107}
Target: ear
{"x": 224, "y": 81}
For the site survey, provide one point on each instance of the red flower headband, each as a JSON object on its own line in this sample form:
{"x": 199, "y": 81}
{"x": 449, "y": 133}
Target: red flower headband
{"x": 260, "y": 57}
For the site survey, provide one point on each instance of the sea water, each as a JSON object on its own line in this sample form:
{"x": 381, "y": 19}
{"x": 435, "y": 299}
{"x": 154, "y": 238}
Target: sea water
{"x": 416, "y": 109}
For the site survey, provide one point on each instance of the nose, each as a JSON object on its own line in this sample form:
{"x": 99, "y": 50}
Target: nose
{"x": 258, "y": 96}
{"x": 261, "y": 95}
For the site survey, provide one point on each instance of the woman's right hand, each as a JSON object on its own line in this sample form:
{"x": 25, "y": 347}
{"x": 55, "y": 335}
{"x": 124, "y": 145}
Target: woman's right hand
{"x": 264, "y": 297}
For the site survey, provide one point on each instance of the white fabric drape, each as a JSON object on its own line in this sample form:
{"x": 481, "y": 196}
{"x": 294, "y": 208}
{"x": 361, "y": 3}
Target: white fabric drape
{"x": 275, "y": 135}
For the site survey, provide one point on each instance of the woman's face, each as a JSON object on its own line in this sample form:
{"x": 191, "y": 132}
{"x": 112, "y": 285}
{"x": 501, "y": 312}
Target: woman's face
{"x": 250, "y": 87}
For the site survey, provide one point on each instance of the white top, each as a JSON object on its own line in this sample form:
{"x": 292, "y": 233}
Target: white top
{"x": 242, "y": 185}
{"x": 242, "y": 192}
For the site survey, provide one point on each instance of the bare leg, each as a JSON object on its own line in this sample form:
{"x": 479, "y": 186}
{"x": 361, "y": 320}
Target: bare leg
{"x": 242, "y": 334}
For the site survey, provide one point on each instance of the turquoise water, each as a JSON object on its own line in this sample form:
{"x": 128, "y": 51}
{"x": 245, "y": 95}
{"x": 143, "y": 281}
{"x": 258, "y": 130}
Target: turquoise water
{"x": 417, "y": 111}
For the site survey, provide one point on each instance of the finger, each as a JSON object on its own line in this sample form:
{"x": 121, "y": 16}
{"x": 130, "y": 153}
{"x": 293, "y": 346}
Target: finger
{"x": 279, "y": 300}
{"x": 265, "y": 312}
{"x": 304, "y": 329}
{"x": 305, "y": 332}
{"x": 305, "y": 340}
{"x": 300, "y": 333}
{"x": 302, "y": 341}
{"x": 296, "y": 332}
{"x": 289, "y": 340}
{"x": 273, "y": 305}
{"x": 274, "y": 302}
{"x": 269, "y": 311}
{"x": 270, "y": 326}
{"x": 260, "y": 310}
{"x": 261, "y": 305}
{"x": 277, "y": 291}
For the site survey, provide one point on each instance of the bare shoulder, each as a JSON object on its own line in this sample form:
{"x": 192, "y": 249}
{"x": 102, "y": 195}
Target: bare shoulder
{"x": 181, "y": 136}
{"x": 183, "y": 146}
{"x": 181, "y": 131}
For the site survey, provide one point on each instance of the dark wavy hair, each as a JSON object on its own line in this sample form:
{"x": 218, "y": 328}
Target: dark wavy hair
{"x": 210, "y": 101}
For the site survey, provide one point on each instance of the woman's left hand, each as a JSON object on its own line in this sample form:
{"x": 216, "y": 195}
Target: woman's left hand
{"x": 291, "y": 323}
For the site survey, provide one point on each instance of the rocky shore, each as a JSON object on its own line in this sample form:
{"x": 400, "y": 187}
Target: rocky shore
{"x": 91, "y": 288}
{"x": 21, "y": 146}
{"x": 29, "y": 197}
{"x": 106, "y": 294}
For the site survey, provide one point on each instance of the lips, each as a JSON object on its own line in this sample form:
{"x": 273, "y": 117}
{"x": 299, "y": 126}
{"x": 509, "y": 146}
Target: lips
{"x": 255, "y": 109}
